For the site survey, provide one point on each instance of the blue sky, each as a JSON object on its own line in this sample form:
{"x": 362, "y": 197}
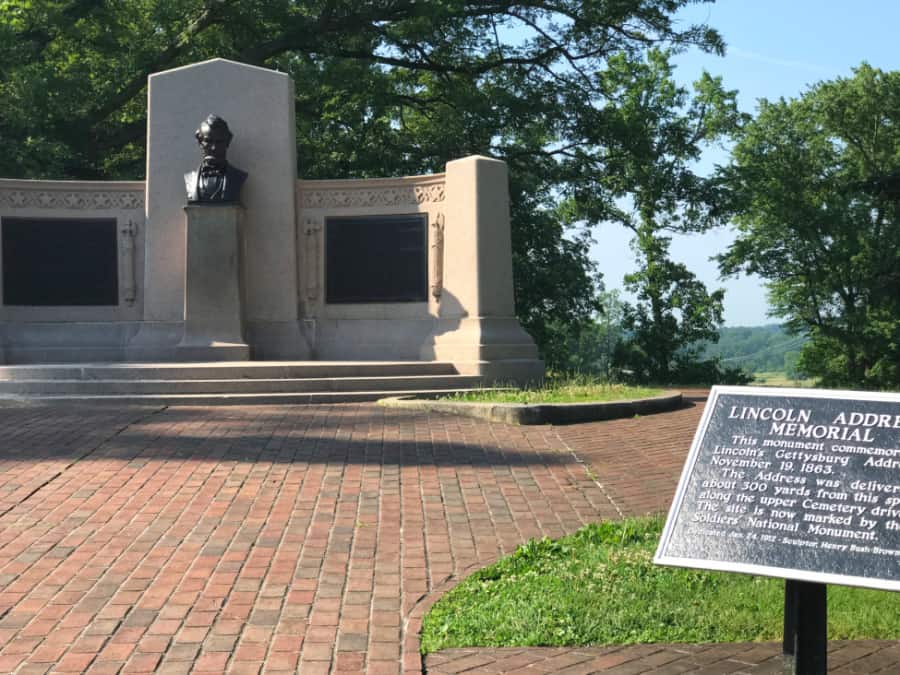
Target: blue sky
{"x": 775, "y": 49}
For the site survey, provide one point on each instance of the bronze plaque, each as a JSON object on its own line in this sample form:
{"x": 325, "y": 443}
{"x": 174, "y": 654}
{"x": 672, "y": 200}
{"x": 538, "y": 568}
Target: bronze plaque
{"x": 376, "y": 259}
{"x": 60, "y": 261}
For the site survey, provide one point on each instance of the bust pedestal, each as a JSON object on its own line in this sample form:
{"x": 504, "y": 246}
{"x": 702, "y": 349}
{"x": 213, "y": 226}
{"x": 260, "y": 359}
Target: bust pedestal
{"x": 213, "y": 329}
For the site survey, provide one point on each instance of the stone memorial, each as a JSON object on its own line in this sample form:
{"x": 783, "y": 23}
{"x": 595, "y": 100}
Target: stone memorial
{"x": 258, "y": 104}
{"x": 428, "y": 279}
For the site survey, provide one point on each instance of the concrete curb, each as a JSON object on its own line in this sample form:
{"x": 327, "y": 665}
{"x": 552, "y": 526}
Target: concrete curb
{"x": 543, "y": 413}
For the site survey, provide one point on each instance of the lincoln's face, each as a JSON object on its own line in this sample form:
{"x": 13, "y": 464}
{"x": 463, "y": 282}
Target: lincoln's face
{"x": 214, "y": 143}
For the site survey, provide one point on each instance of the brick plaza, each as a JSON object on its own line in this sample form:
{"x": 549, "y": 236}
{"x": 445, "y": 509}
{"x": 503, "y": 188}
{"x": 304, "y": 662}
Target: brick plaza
{"x": 308, "y": 539}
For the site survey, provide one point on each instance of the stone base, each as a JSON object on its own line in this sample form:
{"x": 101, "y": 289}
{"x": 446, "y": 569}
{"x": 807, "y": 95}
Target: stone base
{"x": 212, "y": 296}
{"x": 155, "y": 341}
{"x": 505, "y": 372}
{"x": 267, "y": 340}
{"x": 278, "y": 340}
{"x": 195, "y": 353}
{"x": 65, "y": 342}
{"x": 497, "y": 349}
{"x": 397, "y": 339}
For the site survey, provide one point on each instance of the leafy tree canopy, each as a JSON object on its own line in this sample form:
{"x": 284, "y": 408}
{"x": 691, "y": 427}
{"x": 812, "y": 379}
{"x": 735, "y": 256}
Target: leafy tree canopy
{"x": 815, "y": 186}
{"x": 436, "y": 79}
{"x": 671, "y": 319}
{"x": 384, "y": 87}
{"x": 661, "y": 129}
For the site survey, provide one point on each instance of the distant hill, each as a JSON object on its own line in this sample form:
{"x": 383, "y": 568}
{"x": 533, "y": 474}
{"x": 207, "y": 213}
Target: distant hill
{"x": 757, "y": 348}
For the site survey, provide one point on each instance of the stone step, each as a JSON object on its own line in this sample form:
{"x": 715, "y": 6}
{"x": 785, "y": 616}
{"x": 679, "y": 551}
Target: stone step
{"x": 267, "y": 370}
{"x": 220, "y": 399}
{"x": 128, "y": 387}
{"x": 243, "y": 382}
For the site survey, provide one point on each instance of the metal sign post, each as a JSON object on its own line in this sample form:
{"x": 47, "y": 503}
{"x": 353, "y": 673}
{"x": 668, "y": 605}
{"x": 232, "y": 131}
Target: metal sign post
{"x": 805, "y": 623}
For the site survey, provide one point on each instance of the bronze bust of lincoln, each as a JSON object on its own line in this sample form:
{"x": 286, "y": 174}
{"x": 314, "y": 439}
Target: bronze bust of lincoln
{"x": 215, "y": 181}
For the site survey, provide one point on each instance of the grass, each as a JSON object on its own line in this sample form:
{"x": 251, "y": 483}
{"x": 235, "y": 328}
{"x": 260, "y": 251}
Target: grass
{"x": 779, "y": 378}
{"x": 599, "y": 586}
{"x": 577, "y": 389}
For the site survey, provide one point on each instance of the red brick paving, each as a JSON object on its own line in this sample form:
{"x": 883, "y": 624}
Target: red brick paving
{"x": 257, "y": 539}
{"x": 844, "y": 658}
{"x": 308, "y": 539}
{"x": 638, "y": 461}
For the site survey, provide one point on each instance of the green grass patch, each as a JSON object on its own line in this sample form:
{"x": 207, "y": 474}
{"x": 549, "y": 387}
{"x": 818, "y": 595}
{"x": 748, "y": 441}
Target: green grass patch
{"x": 779, "y": 378}
{"x": 599, "y": 586}
{"x": 579, "y": 389}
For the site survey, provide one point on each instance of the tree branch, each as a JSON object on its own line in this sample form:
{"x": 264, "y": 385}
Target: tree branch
{"x": 208, "y": 16}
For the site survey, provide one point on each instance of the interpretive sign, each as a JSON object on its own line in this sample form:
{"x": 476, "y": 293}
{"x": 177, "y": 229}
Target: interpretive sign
{"x": 60, "y": 261}
{"x": 376, "y": 258}
{"x": 792, "y": 483}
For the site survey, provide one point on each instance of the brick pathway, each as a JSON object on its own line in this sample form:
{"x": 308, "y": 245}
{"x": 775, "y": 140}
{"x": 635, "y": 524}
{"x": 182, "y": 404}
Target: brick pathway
{"x": 844, "y": 658}
{"x": 306, "y": 539}
{"x": 278, "y": 539}
{"x": 638, "y": 461}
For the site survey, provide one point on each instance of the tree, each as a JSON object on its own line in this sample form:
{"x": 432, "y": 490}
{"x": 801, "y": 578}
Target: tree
{"x": 384, "y": 87}
{"x": 791, "y": 359}
{"x": 815, "y": 192}
{"x": 556, "y": 283}
{"x": 669, "y": 321}
{"x": 660, "y": 130}
{"x": 374, "y": 76}
{"x": 593, "y": 349}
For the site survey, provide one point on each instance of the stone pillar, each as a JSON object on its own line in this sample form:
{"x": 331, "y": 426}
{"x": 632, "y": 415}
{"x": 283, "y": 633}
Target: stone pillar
{"x": 213, "y": 320}
{"x": 477, "y": 327}
{"x": 258, "y": 104}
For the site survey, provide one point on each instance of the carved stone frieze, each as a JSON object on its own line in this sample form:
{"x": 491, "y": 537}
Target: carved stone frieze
{"x": 337, "y": 197}
{"x": 95, "y": 200}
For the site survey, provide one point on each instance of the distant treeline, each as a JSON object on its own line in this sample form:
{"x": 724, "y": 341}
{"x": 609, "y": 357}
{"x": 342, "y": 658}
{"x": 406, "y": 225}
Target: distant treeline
{"x": 757, "y": 348}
